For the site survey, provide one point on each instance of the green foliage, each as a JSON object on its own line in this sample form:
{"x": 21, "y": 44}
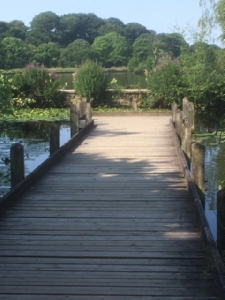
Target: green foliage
{"x": 165, "y": 82}
{"x": 37, "y": 114}
{"x": 47, "y": 54}
{"x": 15, "y": 53}
{"x": 112, "y": 49}
{"x": 76, "y": 53}
{"x": 5, "y": 94}
{"x": 91, "y": 82}
{"x": 39, "y": 84}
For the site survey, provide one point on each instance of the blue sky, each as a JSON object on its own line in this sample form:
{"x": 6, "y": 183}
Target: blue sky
{"x": 158, "y": 15}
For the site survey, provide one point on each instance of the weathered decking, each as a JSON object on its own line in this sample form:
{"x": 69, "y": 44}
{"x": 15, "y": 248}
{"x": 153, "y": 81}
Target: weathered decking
{"x": 112, "y": 220}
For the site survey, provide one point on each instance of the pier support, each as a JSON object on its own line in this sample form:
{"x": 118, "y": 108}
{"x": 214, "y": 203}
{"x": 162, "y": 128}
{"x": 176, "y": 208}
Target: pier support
{"x": 17, "y": 163}
{"x": 54, "y": 138}
{"x": 221, "y": 220}
{"x": 198, "y": 169}
{"x": 74, "y": 119}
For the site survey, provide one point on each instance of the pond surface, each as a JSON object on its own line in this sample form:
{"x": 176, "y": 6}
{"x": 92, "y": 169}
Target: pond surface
{"x": 124, "y": 79}
{"x": 214, "y": 166}
{"x": 34, "y": 136}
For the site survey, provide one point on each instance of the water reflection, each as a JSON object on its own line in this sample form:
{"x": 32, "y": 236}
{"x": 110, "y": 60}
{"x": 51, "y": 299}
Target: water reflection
{"x": 124, "y": 79}
{"x": 34, "y": 136}
{"x": 214, "y": 164}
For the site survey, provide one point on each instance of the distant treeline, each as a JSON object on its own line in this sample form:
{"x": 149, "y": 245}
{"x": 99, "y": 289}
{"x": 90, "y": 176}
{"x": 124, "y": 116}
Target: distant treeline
{"x": 69, "y": 40}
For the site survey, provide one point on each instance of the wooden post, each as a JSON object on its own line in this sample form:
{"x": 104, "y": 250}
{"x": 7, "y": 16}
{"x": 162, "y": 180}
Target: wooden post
{"x": 74, "y": 119}
{"x": 54, "y": 138}
{"x": 88, "y": 113}
{"x": 191, "y": 115}
{"x": 188, "y": 112}
{"x": 221, "y": 220}
{"x": 178, "y": 122}
{"x": 198, "y": 169}
{"x": 17, "y": 163}
{"x": 174, "y": 110}
{"x": 79, "y": 107}
{"x": 134, "y": 104}
{"x": 186, "y": 139}
{"x": 83, "y": 105}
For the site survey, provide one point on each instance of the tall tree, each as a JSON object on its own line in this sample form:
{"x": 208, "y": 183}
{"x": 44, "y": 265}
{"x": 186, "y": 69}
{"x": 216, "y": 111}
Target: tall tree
{"x": 47, "y": 55}
{"x": 112, "y": 24}
{"x": 133, "y": 31}
{"x": 44, "y": 26}
{"x": 3, "y": 29}
{"x": 17, "y": 29}
{"x": 16, "y": 53}
{"x": 112, "y": 49}
{"x": 76, "y": 53}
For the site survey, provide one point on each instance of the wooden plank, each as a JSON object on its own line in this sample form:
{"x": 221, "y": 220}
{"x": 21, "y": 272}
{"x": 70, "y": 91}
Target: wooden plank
{"x": 112, "y": 220}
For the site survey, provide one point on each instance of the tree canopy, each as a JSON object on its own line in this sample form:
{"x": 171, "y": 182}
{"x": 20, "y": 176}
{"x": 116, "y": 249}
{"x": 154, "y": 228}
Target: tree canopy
{"x": 70, "y": 39}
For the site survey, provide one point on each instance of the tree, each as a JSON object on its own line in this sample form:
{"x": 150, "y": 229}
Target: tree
{"x": 76, "y": 53}
{"x": 3, "y": 29}
{"x": 112, "y": 49}
{"x": 16, "y": 53}
{"x": 17, "y": 29}
{"x": 47, "y": 55}
{"x": 112, "y": 24}
{"x": 133, "y": 31}
{"x": 68, "y": 29}
{"x": 44, "y": 26}
{"x": 142, "y": 53}
{"x": 171, "y": 43}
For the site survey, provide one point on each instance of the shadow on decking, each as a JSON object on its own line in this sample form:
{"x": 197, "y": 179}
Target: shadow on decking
{"x": 105, "y": 225}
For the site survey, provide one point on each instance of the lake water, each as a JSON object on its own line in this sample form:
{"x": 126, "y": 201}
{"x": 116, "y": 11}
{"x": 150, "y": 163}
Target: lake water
{"x": 35, "y": 139}
{"x": 124, "y": 79}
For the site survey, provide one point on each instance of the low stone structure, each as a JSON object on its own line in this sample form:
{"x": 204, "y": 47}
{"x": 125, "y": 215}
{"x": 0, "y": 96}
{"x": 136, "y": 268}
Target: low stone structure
{"x": 124, "y": 97}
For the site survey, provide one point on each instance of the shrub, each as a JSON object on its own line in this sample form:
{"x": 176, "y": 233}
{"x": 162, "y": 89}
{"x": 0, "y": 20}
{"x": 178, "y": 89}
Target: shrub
{"x": 91, "y": 82}
{"x": 165, "y": 82}
{"x": 5, "y": 94}
{"x": 37, "y": 87}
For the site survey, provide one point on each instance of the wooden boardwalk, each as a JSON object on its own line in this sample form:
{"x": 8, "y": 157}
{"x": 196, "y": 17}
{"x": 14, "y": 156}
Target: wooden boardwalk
{"x": 111, "y": 221}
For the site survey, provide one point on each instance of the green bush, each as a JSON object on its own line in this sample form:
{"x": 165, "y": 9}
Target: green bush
{"x": 5, "y": 94}
{"x": 165, "y": 82}
{"x": 37, "y": 87}
{"x": 91, "y": 82}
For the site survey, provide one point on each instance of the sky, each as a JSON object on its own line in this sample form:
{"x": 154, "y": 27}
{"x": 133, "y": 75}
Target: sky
{"x": 159, "y": 15}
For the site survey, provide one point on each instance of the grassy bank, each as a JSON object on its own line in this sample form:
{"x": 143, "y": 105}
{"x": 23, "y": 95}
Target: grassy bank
{"x": 66, "y": 70}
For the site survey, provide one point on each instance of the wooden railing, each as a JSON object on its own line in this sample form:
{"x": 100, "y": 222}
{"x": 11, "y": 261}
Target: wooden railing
{"x": 81, "y": 122}
{"x": 182, "y": 128}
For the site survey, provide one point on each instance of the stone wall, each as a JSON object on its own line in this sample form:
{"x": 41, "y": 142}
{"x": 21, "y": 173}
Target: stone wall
{"x": 113, "y": 98}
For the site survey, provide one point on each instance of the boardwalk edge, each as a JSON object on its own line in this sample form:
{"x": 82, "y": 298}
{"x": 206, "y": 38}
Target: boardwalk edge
{"x": 16, "y": 192}
{"x": 213, "y": 256}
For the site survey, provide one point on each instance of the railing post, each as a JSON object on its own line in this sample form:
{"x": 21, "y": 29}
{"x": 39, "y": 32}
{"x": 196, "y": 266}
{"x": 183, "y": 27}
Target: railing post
{"x": 17, "y": 163}
{"x": 198, "y": 169}
{"x": 186, "y": 139}
{"x": 221, "y": 220}
{"x": 178, "y": 122}
{"x": 174, "y": 110}
{"x": 88, "y": 113}
{"x": 134, "y": 104}
{"x": 189, "y": 112}
{"x": 54, "y": 138}
{"x": 74, "y": 119}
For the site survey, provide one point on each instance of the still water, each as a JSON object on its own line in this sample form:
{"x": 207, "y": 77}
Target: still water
{"x": 34, "y": 136}
{"x": 124, "y": 79}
